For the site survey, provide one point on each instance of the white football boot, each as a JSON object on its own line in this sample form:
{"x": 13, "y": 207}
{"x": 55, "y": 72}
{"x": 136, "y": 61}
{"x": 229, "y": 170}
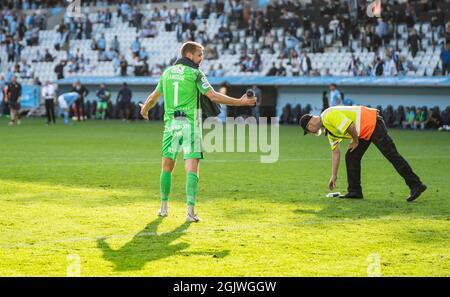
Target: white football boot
{"x": 191, "y": 217}
{"x": 164, "y": 210}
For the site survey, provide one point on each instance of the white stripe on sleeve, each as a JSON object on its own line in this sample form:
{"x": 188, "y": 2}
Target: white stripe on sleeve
{"x": 341, "y": 126}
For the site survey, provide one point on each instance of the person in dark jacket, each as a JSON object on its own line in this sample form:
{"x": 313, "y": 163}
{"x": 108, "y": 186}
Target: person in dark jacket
{"x": 13, "y": 94}
{"x": 414, "y": 43}
{"x": 79, "y": 103}
{"x": 123, "y": 100}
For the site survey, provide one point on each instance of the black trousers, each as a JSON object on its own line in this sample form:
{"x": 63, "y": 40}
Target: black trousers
{"x": 386, "y": 146}
{"x": 79, "y": 105}
{"x": 50, "y": 110}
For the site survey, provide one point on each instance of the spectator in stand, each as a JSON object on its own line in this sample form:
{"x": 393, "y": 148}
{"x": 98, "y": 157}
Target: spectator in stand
{"x": 115, "y": 44}
{"x": 101, "y": 43}
{"x": 414, "y": 43}
{"x": 290, "y": 41}
{"x": 108, "y": 18}
{"x": 327, "y": 73}
{"x": 135, "y": 46}
{"x": 73, "y": 66}
{"x": 305, "y": 64}
{"x": 273, "y": 70}
{"x": 138, "y": 66}
{"x": 10, "y": 50}
{"x": 390, "y": 67}
{"x": 211, "y": 53}
{"x": 211, "y": 72}
{"x": 116, "y": 64}
{"x": 410, "y": 15}
{"x": 295, "y": 68}
{"x": 377, "y": 67}
{"x": 220, "y": 71}
{"x": 143, "y": 54}
{"x": 315, "y": 36}
{"x": 268, "y": 42}
{"x": 123, "y": 66}
{"x": 335, "y": 96}
{"x": 48, "y": 57}
{"x": 445, "y": 59}
{"x": 59, "y": 69}
{"x": 17, "y": 49}
{"x": 281, "y": 71}
{"x": 405, "y": 65}
{"x": 333, "y": 26}
{"x": 355, "y": 66}
{"x": 447, "y": 33}
{"x": 381, "y": 29}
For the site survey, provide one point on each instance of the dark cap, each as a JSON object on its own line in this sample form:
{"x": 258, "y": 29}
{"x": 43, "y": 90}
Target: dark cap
{"x": 304, "y": 120}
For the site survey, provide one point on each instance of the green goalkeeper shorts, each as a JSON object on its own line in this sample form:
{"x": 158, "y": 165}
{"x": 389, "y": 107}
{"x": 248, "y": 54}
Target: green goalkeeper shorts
{"x": 182, "y": 135}
{"x": 102, "y": 105}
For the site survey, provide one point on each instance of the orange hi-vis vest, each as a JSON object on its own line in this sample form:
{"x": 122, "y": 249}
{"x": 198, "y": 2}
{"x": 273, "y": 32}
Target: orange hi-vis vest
{"x": 337, "y": 119}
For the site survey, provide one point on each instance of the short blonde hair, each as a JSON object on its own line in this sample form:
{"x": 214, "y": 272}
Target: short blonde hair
{"x": 190, "y": 47}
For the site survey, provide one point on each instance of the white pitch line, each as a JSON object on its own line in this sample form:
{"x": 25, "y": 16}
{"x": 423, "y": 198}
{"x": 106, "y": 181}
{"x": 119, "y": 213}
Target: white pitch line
{"x": 115, "y": 161}
{"x": 215, "y": 229}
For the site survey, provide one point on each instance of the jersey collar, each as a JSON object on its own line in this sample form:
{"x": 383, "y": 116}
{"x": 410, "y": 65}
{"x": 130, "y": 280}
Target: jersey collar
{"x": 187, "y": 62}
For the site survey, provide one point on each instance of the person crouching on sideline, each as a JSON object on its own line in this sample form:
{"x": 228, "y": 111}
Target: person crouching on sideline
{"x": 362, "y": 125}
{"x": 65, "y": 101}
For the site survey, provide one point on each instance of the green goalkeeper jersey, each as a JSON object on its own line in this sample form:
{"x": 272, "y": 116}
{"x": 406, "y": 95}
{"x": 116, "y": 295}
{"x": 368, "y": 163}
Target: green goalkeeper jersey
{"x": 180, "y": 86}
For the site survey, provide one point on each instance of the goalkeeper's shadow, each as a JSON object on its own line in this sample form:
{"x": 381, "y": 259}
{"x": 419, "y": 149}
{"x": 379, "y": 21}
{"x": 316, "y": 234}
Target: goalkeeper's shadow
{"x": 147, "y": 246}
{"x": 144, "y": 247}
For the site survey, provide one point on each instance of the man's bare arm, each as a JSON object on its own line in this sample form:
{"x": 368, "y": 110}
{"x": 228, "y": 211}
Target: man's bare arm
{"x": 352, "y": 131}
{"x": 151, "y": 101}
{"x": 335, "y": 160}
{"x": 355, "y": 139}
{"x": 220, "y": 98}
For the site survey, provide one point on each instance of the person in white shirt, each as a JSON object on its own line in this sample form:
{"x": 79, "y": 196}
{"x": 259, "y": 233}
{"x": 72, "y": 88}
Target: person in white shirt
{"x": 48, "y": 93}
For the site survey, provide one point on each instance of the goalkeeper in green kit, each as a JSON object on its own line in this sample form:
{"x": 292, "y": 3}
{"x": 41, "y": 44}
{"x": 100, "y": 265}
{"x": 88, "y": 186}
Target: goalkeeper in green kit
{"x": 182, "y": 85}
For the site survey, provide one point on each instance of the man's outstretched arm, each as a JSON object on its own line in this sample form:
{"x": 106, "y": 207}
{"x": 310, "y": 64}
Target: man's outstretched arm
{"x": 151, "y": 101}
{"x": 335, "y": 158}
{"x": 220, "y": 98}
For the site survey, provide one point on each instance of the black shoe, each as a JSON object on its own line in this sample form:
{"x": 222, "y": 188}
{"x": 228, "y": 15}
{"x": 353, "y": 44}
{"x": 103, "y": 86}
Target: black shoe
{"x": 416, "y": 192}
{"x": 352, "y": 195}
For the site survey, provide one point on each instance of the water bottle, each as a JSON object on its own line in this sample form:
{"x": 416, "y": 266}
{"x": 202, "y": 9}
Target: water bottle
{"x": 250, "y": 93}
{"x": 333, "y": 195}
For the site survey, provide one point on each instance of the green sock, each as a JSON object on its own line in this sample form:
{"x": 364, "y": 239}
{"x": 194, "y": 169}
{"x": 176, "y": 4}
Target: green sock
{"x": 165, "y": 183}
{"x": 191, "y": 187}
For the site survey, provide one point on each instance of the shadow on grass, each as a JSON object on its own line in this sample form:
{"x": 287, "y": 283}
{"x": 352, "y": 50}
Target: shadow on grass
{"x": 147, "y": 246}
{"x": 372, "y": 208}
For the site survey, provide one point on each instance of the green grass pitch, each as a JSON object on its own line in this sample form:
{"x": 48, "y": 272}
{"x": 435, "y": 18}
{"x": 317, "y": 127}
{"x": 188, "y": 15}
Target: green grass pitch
{"x": 92, "y": 190}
